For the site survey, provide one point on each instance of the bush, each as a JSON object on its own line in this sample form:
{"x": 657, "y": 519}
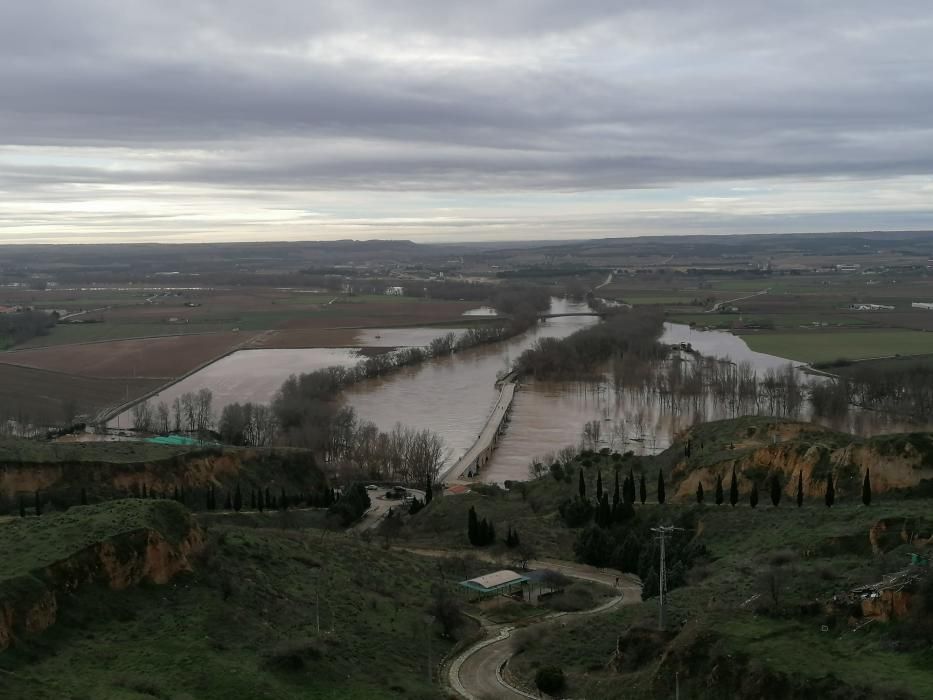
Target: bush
{"x": 292, "y": 655}
{"x": 549, "y": 679}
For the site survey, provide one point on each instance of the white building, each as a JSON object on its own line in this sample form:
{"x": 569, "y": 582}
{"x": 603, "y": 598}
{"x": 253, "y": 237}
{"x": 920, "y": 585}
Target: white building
{"x": 925, "y": 305}
{"x": 395, "y": 291}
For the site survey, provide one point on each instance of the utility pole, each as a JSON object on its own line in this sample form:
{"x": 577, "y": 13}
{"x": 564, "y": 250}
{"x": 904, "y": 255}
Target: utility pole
{"x": 663, "y": 532}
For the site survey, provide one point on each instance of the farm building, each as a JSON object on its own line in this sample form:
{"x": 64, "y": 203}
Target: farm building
{"x": 395, "y": 291}
{"x": 528, "y": 586}
{"x": 504, "y": 582}
{"x": 870, "y": 307}
{"x": 926, "y": 306}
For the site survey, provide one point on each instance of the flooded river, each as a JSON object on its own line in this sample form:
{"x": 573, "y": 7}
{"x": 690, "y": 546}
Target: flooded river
{"x": 453, "y": 396}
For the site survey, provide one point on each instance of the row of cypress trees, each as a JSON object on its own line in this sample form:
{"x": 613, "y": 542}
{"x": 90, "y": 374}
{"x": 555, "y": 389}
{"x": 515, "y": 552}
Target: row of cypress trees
{"x": 777, "y": 492}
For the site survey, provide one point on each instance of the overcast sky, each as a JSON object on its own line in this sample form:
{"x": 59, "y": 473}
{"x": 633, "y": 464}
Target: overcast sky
{"x": 178, "y": 120}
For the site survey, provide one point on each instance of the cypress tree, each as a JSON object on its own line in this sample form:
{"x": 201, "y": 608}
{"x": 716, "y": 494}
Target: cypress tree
{"x": 615, "y": 490}
{"x": 643, "y": 489}
{"x": 582, "y": 486}
{"x": 661, "y": 495}
{"x": 261, "y": 500}
{"x": 22, "y": 507}
{"x": 830, "y": 490}
{"x": 38, "y": 503}
{"x": 237, "y": 499}
{"x": 83, "y": 496}
{"x": 428, "y": 492}
{"x": 252, "y": 499}
{"x": 734, "y": 489}
{"x": 599, "y": 485}
{"x": 283, "y": 500}
{"x": 490, "y": 533}
{"x": 866, "y": 489}
{"x": 719, "y": 496}
{"x": 604, "y": 515}
{"x": 775, "y": 490}
{"x": 799, "y": 489}
{"x": 144, "y": 492}
{"x": 175, "y": 494}
{"x": 753, "y": 497}
{"x": 699, "y": 492}
{"x": 629, "y": 488}
{"x": 228, "y": 504}
{"x": 269, "y": 503}
{"x": 515, "y": 540}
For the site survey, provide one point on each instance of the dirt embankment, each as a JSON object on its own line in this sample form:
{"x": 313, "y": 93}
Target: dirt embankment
{"x": 29, "y": 604}
{"x": 293, "y": 470}
{"x": 895, "y": 462}
{"x": 706, "y": 670}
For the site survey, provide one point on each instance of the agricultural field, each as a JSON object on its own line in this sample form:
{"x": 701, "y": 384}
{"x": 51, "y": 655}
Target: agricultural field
{"x": 159, "y": 357}
{"x": 827, "y": 346}
{"x": 34, "y": 395}
{"x": 136, "y": 315}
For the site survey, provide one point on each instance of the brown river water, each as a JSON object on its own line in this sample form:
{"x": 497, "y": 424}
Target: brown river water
{"x": 453, "y": 396}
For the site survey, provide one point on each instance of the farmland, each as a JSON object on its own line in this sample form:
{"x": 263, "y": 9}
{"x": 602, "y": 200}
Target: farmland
{"x": 29, "y": 394}
{"x": 815, "y": 346}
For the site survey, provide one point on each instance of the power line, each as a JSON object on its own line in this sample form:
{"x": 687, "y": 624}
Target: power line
{"x": 663, "y": 532}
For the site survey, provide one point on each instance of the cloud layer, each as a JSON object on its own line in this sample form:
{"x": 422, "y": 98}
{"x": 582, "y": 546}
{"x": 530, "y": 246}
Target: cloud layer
{"x": 136, "y": 120}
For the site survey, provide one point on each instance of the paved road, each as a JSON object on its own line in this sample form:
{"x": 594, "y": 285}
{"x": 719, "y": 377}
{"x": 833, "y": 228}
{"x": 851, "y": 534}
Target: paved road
{"x": 475, "y": 673}
{"x": 486, "y": 436}
{"x": 729, "y": 301}
{"x": 380, "y": 506}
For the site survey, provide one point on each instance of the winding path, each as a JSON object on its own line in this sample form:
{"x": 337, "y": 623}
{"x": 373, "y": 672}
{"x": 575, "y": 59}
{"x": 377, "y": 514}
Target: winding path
{"x": 476, "y": 673}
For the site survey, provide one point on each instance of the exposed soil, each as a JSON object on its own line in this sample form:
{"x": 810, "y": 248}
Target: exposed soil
{"x": 163, "y": 357}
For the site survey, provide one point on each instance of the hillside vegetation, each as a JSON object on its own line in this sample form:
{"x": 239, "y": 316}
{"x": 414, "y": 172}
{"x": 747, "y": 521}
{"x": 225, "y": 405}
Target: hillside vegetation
{"x": 263, "y": 613}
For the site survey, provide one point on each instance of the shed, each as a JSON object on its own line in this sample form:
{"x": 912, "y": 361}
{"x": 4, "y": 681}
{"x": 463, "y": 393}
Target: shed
{"x": 503, "y": 582}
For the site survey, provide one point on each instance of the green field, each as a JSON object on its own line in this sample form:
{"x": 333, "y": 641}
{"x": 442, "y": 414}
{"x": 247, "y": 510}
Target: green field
{"x": 817, "y": 346}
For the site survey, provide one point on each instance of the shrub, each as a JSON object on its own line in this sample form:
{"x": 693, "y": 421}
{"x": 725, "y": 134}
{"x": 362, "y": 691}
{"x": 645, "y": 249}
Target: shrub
{"x": 550, "y": 679}
{"x": 292, "y": 655}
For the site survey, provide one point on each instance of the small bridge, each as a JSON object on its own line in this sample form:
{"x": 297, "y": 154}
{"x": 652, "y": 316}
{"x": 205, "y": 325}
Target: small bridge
{"x": 572, "y": 313}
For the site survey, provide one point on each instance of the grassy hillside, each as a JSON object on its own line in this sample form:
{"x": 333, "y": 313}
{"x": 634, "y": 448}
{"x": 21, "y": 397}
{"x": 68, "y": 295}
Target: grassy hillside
{"x": 244, "y": 624}
{"x": 31, "y": 544}
{"x": 726, "y": 617}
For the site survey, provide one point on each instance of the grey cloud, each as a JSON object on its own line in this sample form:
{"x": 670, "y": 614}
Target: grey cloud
{"x": 457, "y": 97}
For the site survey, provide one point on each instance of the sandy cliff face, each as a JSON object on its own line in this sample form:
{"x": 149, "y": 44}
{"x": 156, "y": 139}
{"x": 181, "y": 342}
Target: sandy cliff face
{"x": 30, "y": 604}
{"x": 904, "y": 467}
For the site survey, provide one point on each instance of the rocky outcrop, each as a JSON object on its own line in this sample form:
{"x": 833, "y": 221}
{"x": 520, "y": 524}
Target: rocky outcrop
{"x": 896, "y": 462}
{"x": 29, "y": 603}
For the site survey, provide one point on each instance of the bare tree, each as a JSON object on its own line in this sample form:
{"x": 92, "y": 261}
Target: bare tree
{"x": 142, "y": 416}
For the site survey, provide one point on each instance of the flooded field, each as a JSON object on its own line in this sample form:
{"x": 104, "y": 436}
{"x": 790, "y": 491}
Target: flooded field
{"x": 250, "y": 375}
{"x": 547, "y": 416}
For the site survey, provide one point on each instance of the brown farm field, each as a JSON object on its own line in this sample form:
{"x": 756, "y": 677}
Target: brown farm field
{"x": 158, "y": 358}
{"x": 39, "y": 395}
